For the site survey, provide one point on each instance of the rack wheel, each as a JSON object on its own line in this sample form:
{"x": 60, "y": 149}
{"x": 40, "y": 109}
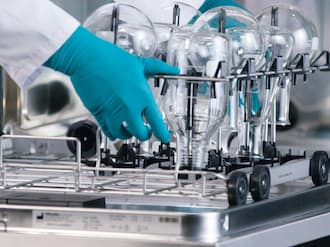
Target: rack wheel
{"x": 237, "y": 188}
{"x": 319, "y": 168}
{"x": 260, "y": 183}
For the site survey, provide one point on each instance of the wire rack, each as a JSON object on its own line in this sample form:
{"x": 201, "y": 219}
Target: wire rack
{"x": 52, "y": 172}
{"x": 300, "y": 65}
{"x": 30, "y": 170}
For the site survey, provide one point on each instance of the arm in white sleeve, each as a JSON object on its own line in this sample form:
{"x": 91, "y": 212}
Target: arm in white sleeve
{"x": 30, "y": 32}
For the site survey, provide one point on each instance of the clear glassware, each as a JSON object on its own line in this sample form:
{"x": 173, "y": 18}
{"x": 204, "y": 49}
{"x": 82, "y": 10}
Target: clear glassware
{"x": 282, "y": 43}
{"x": 163, "y": 31}
{"x": 185, "y": 15}
{"x": 263, "y": 95}
{"x": 241, "y": 26}
{"x": 278, "y": 44}
{"x": 176, "y": 16}
{"x": 243, "y": 29}
{"x": 195, "y": 109}
{"x": 291, "y": 20}
{"x": 246, "y": 43}
{"x": 134, "y": 32}
{"x": 235, "y": 17}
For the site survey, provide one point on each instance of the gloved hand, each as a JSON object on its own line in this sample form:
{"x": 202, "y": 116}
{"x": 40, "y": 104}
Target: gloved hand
{"x": 112, "y": 85}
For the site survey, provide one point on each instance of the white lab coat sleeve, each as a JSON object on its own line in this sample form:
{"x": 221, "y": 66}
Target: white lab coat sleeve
{"x": 30, "y": 32}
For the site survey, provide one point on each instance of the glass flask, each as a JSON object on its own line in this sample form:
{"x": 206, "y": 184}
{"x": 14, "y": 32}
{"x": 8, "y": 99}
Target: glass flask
{"x": 243, "y": 29}
{"x": 235, "y": 17}
{"x": 195, "y": 109}
{"x": 246, "y": 43}
{"x": 290, "y": 19}
{"x": 126, "y": 26}
{"x": 264, "y": 92}
{"x": 163, "y": 31}
{"x": 279, "y": 44}
{"x": 180, "y": 14}
{"x": 176, "y": 16}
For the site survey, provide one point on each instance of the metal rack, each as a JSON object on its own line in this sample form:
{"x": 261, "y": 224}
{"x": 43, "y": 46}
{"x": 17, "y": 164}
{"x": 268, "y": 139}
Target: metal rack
{"x": 57, "y": 173}
{"x": 303, "y": 66}
{"x": 256, "y": 162}
{"x": 146, "y": 207}
{"x": 151, "y": 206}
{"x": 66, "y": 172}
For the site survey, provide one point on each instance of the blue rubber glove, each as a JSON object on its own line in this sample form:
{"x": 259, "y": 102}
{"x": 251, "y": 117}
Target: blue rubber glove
{"x": 112, "y": 85}
{"x": 210, "y": 4}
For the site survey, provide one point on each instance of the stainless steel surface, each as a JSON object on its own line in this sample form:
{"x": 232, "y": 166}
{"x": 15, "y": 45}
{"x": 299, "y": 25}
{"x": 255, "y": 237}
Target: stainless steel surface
{"x": 180, "y": 226}
{"x": 75, "y": 240}
{"x": 276, "y": 237}
{"x": 294, "y": 233}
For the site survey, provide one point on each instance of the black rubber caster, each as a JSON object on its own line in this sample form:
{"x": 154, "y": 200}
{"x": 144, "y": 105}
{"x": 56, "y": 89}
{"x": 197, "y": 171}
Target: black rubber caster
{"x": 319, "y": 168}
{"x": 237, "y": 188}
{"x": 126, "y": 156}
{"x": 86, "y": 132}
{"x": 260, "y": 183}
